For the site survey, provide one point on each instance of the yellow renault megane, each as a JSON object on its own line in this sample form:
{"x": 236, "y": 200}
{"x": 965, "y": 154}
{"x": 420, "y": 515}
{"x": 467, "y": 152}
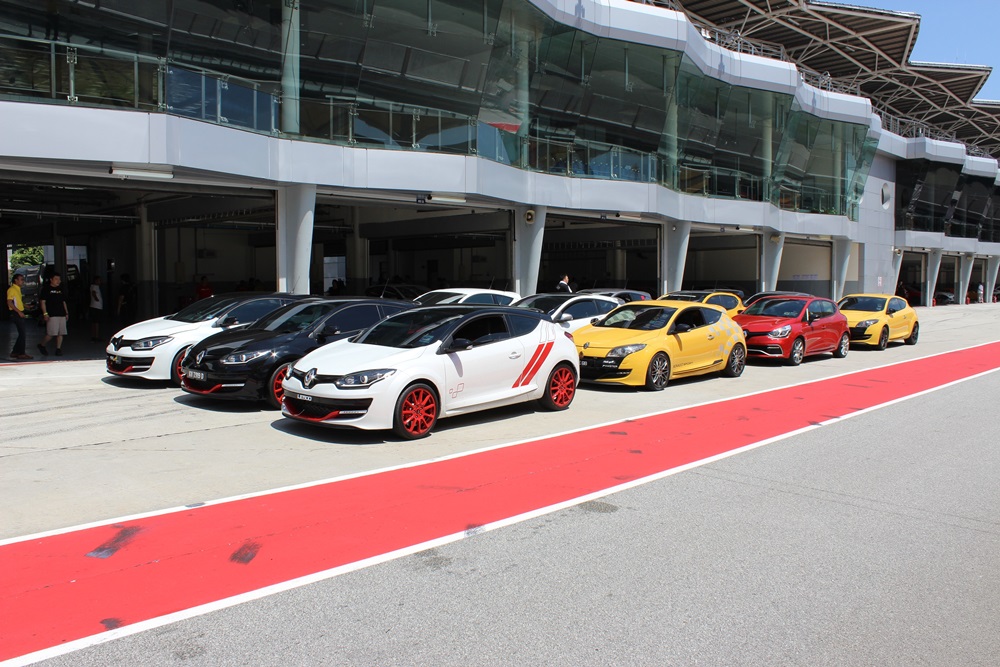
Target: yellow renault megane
{"x": 876, "y": 319}
{"x": 646, "y": 343}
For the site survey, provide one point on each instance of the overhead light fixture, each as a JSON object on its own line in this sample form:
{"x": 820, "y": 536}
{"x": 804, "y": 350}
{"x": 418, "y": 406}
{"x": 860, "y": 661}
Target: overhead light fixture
{"x": 775, "y": 238}
{"x": 628, "y": 216}
{"x": 121, "y": 172}
{"x": 446, "y": 199}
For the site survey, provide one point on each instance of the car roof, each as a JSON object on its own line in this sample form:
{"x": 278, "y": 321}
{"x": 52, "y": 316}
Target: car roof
{"x": 481, "y": 309}
{"x": 471, "y": 290}
{"x": 872, "y": 294}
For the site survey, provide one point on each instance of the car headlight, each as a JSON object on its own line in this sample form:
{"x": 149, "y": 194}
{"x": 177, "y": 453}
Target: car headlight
{"x": 781, "y": 332}
{"x": 245, "y": 357}
{"x": 864, "y": 324}
{"x": 363, "y": 379}
{"x": 150, "y": 343}
{"x": 625, "y": 350}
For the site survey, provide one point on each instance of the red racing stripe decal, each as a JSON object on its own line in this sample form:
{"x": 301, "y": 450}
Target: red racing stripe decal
{"x": 63, "y": 587}
{"x": 538, "y": 364}
{"x": 527, "y": 366}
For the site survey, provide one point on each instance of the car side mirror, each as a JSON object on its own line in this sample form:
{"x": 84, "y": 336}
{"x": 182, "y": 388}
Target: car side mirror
{"x": 228, "y": 322}
{"x": 457, "y": 345}
{"x": 565, "y": 317}
{"x": 680, "y": 328}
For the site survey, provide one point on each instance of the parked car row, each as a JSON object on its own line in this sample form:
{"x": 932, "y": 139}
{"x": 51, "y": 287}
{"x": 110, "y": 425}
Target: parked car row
{"x": 376, "y": 363}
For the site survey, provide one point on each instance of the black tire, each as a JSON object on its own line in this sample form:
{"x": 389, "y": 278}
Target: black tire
{"x": 736, "y": 362}
{"x": 175, "y": 366}
{"x": 797, "y": 353}
{"x": 559, "y": 389}
{"x": 843, "y": 346}
{"x": 274, "y": 392}
{"x": 883, "y": 339}
{"x": 914, "y": 334}
{"x": 416, "y": 412}
{"x": 658, "y": 373}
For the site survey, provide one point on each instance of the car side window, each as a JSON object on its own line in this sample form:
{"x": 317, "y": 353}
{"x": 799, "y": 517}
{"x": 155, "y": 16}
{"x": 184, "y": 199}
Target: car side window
{"x": 605, "y": 307}
{"x": 391, "y": 309}
{"x": 816, "y": 310}
{"x": 897, "y": 304}
{"x": 480, "y": 298}
{"x": 710, "y": 315}
{"x": 829, "y": 308}
{"x": 252, "y": 311}
{"x": 725, "y": 300}
{"x": 353, "y": 318}
{"x": 483, "y": 330}
{"x": 689, "y": 318}
{"x": 521, "y": 325}
{"x": 502, "y": 300}
{"x": 583, "y": 308}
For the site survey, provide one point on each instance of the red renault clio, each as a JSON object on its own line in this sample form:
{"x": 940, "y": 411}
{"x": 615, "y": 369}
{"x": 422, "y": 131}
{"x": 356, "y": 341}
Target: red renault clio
{"x": 793, "y": 327}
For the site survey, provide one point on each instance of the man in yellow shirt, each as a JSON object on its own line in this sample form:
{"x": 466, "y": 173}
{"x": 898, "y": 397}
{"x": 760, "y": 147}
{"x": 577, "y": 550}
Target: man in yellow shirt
{"x": 15, "y": 304}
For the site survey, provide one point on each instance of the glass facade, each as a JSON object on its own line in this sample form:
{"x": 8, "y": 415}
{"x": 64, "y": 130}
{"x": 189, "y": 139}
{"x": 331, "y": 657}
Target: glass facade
{"x": 493, "y": 78}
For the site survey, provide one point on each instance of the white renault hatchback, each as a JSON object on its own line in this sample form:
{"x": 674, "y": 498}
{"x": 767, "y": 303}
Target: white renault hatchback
{"x": 418, "y": 366}
{"x": 153, "y": 349}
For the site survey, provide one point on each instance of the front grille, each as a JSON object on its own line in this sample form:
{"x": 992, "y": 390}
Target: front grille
{"x": 766, "y": 350}
{"x": 120, "y": 364}
{"x": 858, "y": 333}
{"x": 210, "y": 384}
{"x": 119, "y": 342}
{"x": 324, "y": 408}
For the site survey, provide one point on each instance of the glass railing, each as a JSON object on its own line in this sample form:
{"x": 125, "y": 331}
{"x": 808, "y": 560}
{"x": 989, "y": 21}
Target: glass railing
{"x": 85, "y": 75}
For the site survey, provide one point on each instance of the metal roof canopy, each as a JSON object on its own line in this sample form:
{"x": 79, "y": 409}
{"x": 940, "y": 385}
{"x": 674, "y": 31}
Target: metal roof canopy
{"x": 869, "y": 49}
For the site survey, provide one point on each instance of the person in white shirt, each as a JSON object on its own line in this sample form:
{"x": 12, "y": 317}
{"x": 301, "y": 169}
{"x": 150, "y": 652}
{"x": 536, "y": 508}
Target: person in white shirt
{"x": 96, "y": 309}
{"x": 563, "y": 285}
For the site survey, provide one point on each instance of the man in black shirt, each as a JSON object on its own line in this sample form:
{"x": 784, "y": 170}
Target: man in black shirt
{"x": 55, "y": 311}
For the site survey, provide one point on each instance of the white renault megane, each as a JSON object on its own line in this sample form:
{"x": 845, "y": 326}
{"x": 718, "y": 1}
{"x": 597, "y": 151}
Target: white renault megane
{"x": 418, "y": 366}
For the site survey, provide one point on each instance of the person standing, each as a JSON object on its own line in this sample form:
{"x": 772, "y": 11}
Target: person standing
{"x": 15, "y": 304}
{"x": 55, "y": 312}
{"x": 563, "y": 285}
{"x": 980, "y": 293}
{"x": 96, "y": 309}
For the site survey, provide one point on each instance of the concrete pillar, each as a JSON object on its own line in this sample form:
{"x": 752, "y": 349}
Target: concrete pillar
{"x": 619, "y": 266}
{"x": 529, "y": 233}
{"x": 295, "y": 208}
{"x": 968, "y": 261}
{"x": 840, "y": 261}
{"x": 673, "y": 255}
{"x": 146, "y": 278}
{"x": 897, "y": 265}
{"x": 358, "y": 274}
{"x": 771, "y": 247}
{"x": 290, "y": 49}
{"x": 992, "y": 267}
{"x": 933, "y": 268}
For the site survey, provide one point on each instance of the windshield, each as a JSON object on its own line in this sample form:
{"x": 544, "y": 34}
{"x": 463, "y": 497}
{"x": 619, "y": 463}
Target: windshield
{"x": 546, "y": 303}
{"x": 413, "y": 328}
{"x": 641, "y": 318}
{"x": 776, "y": 308}
{"x": 206, "y": 309}
{"x": 293, "y": 317}
{"x": 868, "y": 304}
{"x": 435, "y": 298}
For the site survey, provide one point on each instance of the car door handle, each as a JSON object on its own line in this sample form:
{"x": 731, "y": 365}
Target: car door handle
{"x": 711, "y": 337}
{"x": 514, "y": 355}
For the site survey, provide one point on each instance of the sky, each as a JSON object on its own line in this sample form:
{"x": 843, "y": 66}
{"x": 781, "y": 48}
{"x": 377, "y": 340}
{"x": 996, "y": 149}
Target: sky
{"x": 960, "y": 32}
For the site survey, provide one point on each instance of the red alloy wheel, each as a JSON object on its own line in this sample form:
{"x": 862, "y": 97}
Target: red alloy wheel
{"x": 562, "y": 387}
{"x": 277, "y": 391}
{"x": 418, "y": 411}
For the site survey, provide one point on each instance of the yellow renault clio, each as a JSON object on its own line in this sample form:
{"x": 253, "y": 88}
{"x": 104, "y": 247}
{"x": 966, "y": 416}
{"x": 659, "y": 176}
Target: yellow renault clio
{"x": 646, "y": 343}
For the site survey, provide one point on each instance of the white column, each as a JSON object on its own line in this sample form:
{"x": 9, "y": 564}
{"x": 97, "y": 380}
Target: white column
{"x": 840, "y": 261}
{"x": 673, "y": 255}
{"x": 964, "y": 277}
{"x": 146, "y": 272}
{"x": 772, "y": 246}
{"x": 933, "y": 267}
{"x": 290, "y": 84}
{"x": 992, "y": 267}
{"x": 529, "y": 233}
{"x": 897, "y": 265}
{"x": 296, "y": 207}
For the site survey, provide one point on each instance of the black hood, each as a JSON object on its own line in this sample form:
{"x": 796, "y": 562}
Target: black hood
{"x": 244, "y": 340}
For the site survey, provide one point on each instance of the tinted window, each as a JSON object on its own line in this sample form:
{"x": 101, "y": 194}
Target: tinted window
{"x": 584, "y": 308}
{"x": 776, "y": 308}
{"x": 521, "y": 325}
{"x": 480, "y": 298}
{"x": 502, "y": 300}
{"x": 435, "y": 298}
{"x": 353, "y": 318}
{"x": 605, "y": 306}
{"x": 293, "y": 317}
{"x": 711, "y": 316}
{"x": 816, "y": 310}
{"x": 725, "y": 300}
{"x": 897, "y": 304}
{"x": 392, "y": 309}
{"x": 252, "y": 311}
{"x": 863, "y": 303}
{"x": 412, "y": 328}
{"x": 546, "y": 303}
{"x": 829, "y": 308}
{"x": 205, "y": 309}
{"x": 483, "y": 330}
{"x": 689, "y": 318}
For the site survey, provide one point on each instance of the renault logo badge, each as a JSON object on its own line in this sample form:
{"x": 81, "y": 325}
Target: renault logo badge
{"x": 586, "y": 345}
{"x": 201, "y": 355}
{"x": 310, "y": 378}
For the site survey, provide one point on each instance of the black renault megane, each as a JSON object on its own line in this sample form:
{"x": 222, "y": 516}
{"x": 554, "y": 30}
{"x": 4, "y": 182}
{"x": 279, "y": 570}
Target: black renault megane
{"x": 251, "y": 363}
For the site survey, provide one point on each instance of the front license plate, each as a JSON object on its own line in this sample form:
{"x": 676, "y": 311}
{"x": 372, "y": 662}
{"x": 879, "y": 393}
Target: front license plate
{"x": 196, "y": 375}
{"x": 303, "y": 397}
